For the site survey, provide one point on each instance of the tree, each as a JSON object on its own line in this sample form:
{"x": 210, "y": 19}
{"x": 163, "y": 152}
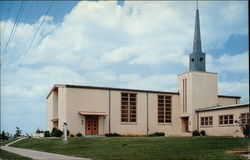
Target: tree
{"x": 245, "y": 128}
{"x": 4, "y": 136}
{"x": 18, "y": 132}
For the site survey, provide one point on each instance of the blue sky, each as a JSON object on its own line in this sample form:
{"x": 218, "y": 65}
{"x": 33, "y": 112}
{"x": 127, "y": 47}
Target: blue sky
{"x": 142, "y": 45}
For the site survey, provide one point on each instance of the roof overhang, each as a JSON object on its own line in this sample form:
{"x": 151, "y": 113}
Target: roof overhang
{"x": 86, "y": 113}
{"x": 221, "y": 107}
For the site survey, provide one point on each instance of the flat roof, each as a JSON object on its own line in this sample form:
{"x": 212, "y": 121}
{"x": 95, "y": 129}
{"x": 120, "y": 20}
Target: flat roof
{"x": 197, "y": 72}
{"x": 109, "y": 88}
{"x": 221, "y": 107}
{"x": 225, "y": 96}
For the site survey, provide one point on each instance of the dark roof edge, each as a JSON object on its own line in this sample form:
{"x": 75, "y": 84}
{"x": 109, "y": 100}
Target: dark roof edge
{"x": 197, "y": 72}
{"x": 120, "y": 89}
{"x": 221, "y": 107}
{"x": 225, "y": 96}
{"x": 51, "y": 91}
{"x": 109, "y": 88}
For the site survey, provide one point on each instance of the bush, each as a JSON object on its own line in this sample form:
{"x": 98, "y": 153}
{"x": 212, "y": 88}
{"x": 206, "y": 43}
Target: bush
{"x": 38, "y": 131}
{"x": 157, "y": 134}
{"x": 79, "y": 134}
{"x": 202, "y": 133}
{"x": 71, "y": 135}
{"x": 68, "y": 132}
{"x": 246, "y": 130}
{"x": 46, "y": 134}
{"x": 245, "y": 127}
{"x": 112, "y": 135}
{"x": 56, "y": 132}
{"x": 196, "y": 133}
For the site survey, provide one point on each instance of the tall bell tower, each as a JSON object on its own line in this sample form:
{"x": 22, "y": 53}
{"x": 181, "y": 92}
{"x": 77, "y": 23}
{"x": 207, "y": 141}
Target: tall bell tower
{"x": 197, "y": 88}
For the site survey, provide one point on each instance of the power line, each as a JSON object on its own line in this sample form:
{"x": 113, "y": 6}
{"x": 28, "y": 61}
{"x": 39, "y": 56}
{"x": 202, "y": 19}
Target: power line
{"x": 13, "y": 30}
{"x": 25, "y": 53}
{"x": 6, "y": 15}
{"x": 23, "y": 33}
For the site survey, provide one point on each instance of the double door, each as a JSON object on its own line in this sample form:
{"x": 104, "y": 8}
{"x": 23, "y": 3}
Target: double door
{"x": 91, "y": 126}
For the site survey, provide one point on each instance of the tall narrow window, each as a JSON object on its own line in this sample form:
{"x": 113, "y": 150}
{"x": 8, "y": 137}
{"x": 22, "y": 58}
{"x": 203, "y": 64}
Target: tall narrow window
{"x": 128, "y": 107}
{"x": 184, "y": 98}
{"x": 164, "y": 109}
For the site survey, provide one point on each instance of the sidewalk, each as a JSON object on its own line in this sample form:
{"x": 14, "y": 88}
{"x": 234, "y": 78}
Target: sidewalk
{"x": 37, "y": 154}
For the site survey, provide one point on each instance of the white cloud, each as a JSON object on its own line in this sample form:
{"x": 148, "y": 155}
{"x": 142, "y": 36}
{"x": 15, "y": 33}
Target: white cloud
{"x": 103, "y": 44}
{"x": 234, "y": 63}
{"x": 237, "y": 88}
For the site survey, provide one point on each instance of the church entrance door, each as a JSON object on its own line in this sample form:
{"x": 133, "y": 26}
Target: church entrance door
{"x": 91, "y": 125}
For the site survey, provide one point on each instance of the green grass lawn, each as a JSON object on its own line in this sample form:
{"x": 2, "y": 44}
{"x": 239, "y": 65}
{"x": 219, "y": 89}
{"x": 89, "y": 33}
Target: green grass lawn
{"x": 144, "y": 148}
{"x": 4, "y": 155}
{"x": 10, "y": 140}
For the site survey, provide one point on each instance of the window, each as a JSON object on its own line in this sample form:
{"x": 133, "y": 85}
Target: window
{"x": 226, "y": 119}
{"x": 207, "y": 121}
{"x": 128, "y": 107}
{"x": 184, "y": 97}
{"x": 164, "y": 109}
{"x": 245, "y": 118}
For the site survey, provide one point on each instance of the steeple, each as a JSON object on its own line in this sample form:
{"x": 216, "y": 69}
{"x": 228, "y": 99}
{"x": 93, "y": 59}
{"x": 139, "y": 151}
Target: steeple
{"x": 197, "y": 58}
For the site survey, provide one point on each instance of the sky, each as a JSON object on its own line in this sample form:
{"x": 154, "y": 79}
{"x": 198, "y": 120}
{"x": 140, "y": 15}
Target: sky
{"x": 138, "y": 45}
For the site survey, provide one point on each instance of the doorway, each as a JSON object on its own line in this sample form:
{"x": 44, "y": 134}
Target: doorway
{"x": 185, "y": 124}
{"x": 91, "y": 125}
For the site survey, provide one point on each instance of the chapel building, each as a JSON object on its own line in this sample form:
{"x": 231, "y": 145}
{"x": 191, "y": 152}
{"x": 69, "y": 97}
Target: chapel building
{"x": 196, "y": 106}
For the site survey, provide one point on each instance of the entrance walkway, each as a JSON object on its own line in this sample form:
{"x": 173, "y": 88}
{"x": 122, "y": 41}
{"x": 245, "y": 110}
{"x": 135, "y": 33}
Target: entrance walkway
{"x": 37, "y": 154}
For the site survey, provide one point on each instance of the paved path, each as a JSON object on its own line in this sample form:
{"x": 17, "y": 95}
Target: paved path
{"x": 37, "y": 154}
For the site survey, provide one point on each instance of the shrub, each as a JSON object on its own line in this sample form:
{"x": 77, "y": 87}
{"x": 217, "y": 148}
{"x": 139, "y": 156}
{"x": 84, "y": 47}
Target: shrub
{"x": 196, "y": 133}
{"x": 38, "y": 131}
{"x": 71, "y": 135}
{"x": 246, "y": 130}
{"x": 46, "y": 134}
{"x": 112, "y": 135}
{"x": 68, "y": 132}
{"x": 203, "y": 132}
{"x": 79, "y": 134}
{"x": 245, "y": 127}
{"x": 157, "y": 134}
{"x": 56, "y": 132}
